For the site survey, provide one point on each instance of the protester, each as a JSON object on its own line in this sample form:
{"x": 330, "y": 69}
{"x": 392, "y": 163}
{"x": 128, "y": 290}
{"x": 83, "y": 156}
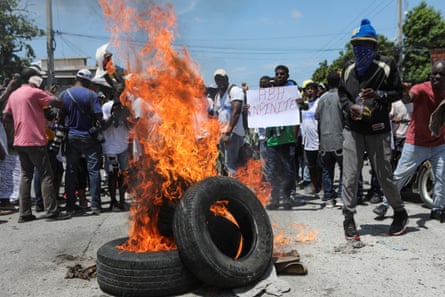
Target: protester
{"x": 228, "y": 106}
{"x": 25, "y": 108}
{"x": 82, "y": 112}
{"x": 280, "y": 161}
{"x": 369, "y": 84}
{"x": 420, "y": 143}
{"x": 309, "y": 132}
{"x": 115, "y": 149}
{"x": 330, "y": 126}
{"x": 9, "y": 160}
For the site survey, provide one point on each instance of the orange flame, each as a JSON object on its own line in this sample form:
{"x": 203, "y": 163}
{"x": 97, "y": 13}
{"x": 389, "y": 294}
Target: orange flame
{"x": 178, "y": 141}
{"x": 219, "y": 208}
{"x": 282, "y": 240}
{"x": 252, "y": 176}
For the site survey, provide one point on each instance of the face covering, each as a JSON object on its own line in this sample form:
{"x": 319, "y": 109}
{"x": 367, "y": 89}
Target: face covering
{"x": 35, "y": 80}
{"x": 364, "y": 55}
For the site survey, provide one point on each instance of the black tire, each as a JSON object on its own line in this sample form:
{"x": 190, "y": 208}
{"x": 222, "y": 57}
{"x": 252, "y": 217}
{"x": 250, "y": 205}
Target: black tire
{"x": 208, "y": 246}
{"x": 425, "y": 184}
{"x": 122, "y": 273}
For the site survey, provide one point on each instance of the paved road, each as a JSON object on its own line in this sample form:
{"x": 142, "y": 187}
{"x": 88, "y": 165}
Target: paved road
{"x": 35, "y": 255}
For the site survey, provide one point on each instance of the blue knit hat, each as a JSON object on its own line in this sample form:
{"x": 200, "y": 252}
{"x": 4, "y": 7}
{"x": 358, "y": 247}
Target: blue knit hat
{"x": 364, "y": 32}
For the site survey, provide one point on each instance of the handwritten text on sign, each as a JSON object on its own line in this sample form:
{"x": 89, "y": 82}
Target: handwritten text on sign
{"x": 271, "y": 107}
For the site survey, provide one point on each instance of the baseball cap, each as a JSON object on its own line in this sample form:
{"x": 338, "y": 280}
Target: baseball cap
{"x": 84, "y": 74}
{"x": 221, "y": 72}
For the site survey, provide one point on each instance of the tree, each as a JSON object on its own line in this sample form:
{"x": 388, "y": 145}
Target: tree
{"x": 424, "y": 30}
{"x": 15, "y": 31}
{"x": 321, "y": 72}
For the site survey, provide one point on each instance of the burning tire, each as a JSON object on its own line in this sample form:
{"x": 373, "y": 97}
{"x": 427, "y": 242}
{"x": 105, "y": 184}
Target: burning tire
{"x": 219, "y": 253}
{"x": 122, "y": 273}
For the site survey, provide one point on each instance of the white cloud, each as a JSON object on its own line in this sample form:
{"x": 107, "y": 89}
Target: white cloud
{"x": 296, "y": 13}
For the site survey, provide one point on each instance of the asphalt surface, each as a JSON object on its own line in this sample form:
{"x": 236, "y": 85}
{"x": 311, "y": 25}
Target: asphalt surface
{"x": 36, "y": 256}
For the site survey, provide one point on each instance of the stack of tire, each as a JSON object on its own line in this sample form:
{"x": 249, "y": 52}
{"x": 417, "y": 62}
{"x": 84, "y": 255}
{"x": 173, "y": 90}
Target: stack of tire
{"x": 212, "y": 251}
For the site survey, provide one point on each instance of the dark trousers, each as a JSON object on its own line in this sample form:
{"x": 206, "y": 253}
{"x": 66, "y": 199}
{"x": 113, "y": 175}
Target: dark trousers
{"x": 36, "y": 157}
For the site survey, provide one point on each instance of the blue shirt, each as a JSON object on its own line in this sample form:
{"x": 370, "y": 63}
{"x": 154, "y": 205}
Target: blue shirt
{"x": 78, "y": 122}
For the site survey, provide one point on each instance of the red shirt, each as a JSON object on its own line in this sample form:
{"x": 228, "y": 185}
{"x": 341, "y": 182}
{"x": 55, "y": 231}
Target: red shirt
{"x": 26, "y": 105}
{"x": 425, "y": 102}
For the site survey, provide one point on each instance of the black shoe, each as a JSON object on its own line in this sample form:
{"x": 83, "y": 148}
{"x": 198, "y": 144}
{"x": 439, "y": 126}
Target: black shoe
{"x": 39, "y": 208}
{"x": 380, "y": 210}
{"x": 398, "y": 226}
{"x": 438, "y": 215}
{"x": 74, "y": 210}
{"x": 95, "y": 211}
{"x": 116, "y": 207}
{"x": 57, "y": 216}
{"x": 376, "y": 198}
{"x": 25, "y": 219}
{"x": 350, "y": 229}
{"x": 272, "y": 206}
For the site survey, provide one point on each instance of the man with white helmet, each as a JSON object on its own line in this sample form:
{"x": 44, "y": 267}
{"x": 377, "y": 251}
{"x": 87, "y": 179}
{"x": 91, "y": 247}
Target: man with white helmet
{"x": 82, "y": 115}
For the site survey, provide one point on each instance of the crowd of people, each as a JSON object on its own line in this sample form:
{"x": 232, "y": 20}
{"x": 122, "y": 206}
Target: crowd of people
{"x": 365, "y": 111}
{"x": 85, "y": 123}
{"x": 360, "y": 113}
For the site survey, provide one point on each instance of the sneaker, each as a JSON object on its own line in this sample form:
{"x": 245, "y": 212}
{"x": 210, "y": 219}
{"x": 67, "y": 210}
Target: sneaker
{"x": 398, "y": 226}
{"x": 438, "y": 215}
{"x": 298, "y": 202}
{"x": 116, "y": 207}
{"x": 74, "y": 210}
{"x": 330, "y": 203}
{"x": 95, "y": 211}
{"x": 350, "y": 229}
{"x": 39, "y": 208}
{"x": 28, "y": 218}
{"x": 376, "y": 198}
{"x": 380, "y": 210}
{"x": 57, "y": 216}
{"x": 339, "y": 203}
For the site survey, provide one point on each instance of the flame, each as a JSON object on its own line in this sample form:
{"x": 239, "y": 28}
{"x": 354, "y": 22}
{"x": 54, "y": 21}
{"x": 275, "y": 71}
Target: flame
{"x": 177, "y": 139}
{"x": 282, "y": 241}
{"x": 252, "y": 176}
{"x": 219, "y": 208}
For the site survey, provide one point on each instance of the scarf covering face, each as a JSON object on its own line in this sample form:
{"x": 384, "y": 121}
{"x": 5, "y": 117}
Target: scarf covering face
{"x": 364, "y": 55}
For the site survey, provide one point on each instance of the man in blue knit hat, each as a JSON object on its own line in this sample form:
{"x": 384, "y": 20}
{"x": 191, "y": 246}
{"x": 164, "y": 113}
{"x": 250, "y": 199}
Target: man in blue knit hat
{"x": 368, "y": 86}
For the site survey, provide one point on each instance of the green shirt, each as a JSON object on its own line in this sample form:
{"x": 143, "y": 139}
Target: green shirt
{"x": 280, "y": 135}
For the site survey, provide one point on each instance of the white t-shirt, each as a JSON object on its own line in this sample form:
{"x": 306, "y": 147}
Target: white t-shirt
{"x": 224, "y": 108}
{"x": 309, "y": 127}
{"x": 116, "y": 138}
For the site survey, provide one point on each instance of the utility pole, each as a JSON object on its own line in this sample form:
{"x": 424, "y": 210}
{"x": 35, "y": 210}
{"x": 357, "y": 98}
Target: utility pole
{"x": 400, "y": 37}
{"x": 50, "y": 45}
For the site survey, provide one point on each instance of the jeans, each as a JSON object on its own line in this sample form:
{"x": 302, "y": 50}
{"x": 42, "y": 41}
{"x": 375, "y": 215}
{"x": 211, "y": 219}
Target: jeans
{"x": 76, "y": 147}
{"x": 36, "y": 157}
{"x": 231, "y": 151}
{"x": 281, "y": 163}
{"x": 411, "y": 158}
{"x": 328, "y": 161}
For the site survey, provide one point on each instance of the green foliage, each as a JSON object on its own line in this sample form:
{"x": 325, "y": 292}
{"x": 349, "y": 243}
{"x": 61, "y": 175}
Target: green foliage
{"x": 424, "y": 30}
{"x": 15, "y": 31}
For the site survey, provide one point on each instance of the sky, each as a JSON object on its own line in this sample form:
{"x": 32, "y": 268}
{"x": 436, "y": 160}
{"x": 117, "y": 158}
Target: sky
{"x": 247, "y": 38}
